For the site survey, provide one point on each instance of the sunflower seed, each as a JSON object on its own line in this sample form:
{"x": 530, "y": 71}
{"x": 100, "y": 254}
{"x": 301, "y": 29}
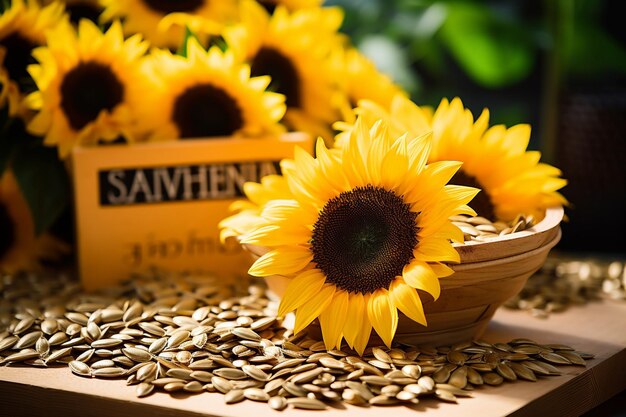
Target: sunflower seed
{"x": 234, "y": 396}
{"x": 80, "y": 368}
{"x": 278, "y": 403}
{"x": 306, "y": 403}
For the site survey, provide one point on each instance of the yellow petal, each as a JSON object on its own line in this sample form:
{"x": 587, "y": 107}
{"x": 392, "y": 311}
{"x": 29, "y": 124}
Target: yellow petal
{"x": 383, "y": 315}
{"x": 310, "y": 310}
{"x": 281, "y": 261}
{"x": 300, "y": 290}
{"x": 354, "y": 321}
{"x": 419, "y": 275}
{"x": 277, "y": 235}
{"x": 406, "y": 299}
{"x": 332, "y": 320}
{"x": 433, "y": 249}
{"x": 441, "y": 270}
{"x": 363, "y": 334}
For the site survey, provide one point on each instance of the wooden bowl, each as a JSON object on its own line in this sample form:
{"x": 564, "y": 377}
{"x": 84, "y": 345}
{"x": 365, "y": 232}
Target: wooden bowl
{"x": 489, "y": 274}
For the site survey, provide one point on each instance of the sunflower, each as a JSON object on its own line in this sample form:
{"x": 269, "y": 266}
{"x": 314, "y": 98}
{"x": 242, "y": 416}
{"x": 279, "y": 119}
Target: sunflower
{"x": 208, "y": 94}
{"x": 294, "y": 50}
{"x": 495, "y": 159}
{"x": 291, "y": 5}
{"x": 20, "y": 249}
{"x": 145, "y": 17}
{"x": 22, "y": 28}
{"x": 90, "y": 86}
{"x": 360, "y": 80}
{"x": 366, "y": 227}
{"x": 80, "y": 9}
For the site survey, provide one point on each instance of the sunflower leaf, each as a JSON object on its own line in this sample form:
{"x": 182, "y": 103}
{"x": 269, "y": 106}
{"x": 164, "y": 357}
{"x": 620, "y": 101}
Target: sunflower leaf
{"x": 494, "y": 53}
{"x": 43, "y": 181}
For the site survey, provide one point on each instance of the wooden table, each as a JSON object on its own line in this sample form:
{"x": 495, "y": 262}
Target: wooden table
{"x": 599, "y": 328}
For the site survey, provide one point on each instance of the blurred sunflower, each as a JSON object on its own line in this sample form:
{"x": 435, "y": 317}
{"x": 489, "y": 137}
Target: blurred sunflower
{"x": 90, "y": 86}
{"x": 365, "y": 228}
{"x": 145, "y": 17}
{"x": 294, "y": 50}
{"x": 22, "y": 28}
{"x": 291, "y": 5}
{"x": 360, "y": 80}
{"x": 80, "y": 9}
{"x": 495, "y": 159}
{"x": 20, "y": 249}
{"x": 208, "y": 94}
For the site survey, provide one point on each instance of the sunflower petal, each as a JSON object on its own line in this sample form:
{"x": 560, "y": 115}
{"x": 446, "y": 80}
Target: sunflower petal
{"x": 419, "y": 275}
{"x": 406, "y": 299}
{"x": 300, "y": 290}
{"x": 310, "y": 310}
{"x": 333, "y": 318}
{"x": 282, "y": 260}
{"x": 354, "y": 322}
{"x": 363, "y": 333}
{"x": 383, "y": 315}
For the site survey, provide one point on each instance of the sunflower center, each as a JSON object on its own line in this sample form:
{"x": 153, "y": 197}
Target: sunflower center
{"x": 7, "y": 231}
{"x": 78, "y": 11}
{"x": 17, "y": 56}
{"x": 363, "y": 238}
{"x": 269, "y": 5}
{"x": 88, "y": 89}
{"x": 482, "y": 202}
{"x": 174, "y": 6}
{"x": 285, "y": 78}
{"x": 204, "y": 111}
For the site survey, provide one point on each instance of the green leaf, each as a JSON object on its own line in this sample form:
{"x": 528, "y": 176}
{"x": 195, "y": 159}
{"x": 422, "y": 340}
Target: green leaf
{"x": 591, "y": 52}
{"x": 182, "y": 49}
{"x": 43, "y": 181}
{"x": 494, "y": 52}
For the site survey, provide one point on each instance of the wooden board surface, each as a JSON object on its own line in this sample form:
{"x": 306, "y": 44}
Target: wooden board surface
{"x": 598, "y": 328}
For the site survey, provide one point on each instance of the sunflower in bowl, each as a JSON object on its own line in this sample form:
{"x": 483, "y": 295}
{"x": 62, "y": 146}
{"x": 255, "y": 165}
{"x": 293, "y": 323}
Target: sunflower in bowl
{"x": 359, "y": 231}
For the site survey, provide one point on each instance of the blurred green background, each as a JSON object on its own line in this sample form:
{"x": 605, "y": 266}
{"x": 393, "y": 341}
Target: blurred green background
{"x": 559, "y": 65}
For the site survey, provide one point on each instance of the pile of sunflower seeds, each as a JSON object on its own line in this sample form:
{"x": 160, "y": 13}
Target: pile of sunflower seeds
{"x": 187, "y": 333}
{"x": 563, "y": 282}
{"x": 481, "y": 229}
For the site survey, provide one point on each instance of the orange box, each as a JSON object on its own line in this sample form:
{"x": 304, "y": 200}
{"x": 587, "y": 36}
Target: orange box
{"x": 159, "y": 204}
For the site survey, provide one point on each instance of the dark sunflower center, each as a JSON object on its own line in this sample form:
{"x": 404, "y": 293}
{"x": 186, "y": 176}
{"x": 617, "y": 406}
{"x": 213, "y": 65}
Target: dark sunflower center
{"x": 363, "y": 238}
{"x": 7, "y": 231}
{"x": 482, "y": 202}
{"x": 18, "y": 57}
{"x": 174, "y": 6}
{"x": 285, "y": 78}
{"x": 205, "y": 111}
{"x": 78, "y": 11}
{"x": 269, "y": 5}
{"x": 87, "y": 90}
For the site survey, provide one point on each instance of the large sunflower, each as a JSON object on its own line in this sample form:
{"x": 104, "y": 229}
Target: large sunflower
{"x": 495, "y": 159}
{"x": 365, "y": 228}
{"x": 22, "y": 28}
{"x": 20, "y": 249}
{"x": 208, "y": 94}
{"x": 145, "y": 17}
{"x": 90, "y": 86}
{"x": 294, "y": 49}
